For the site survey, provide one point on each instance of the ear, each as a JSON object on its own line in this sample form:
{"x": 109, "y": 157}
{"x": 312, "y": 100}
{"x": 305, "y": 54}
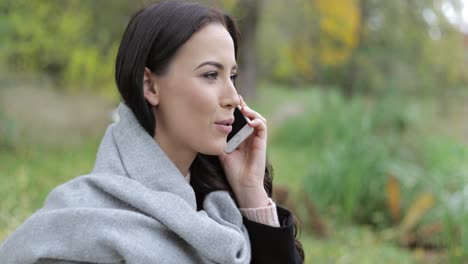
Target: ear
{"x": 150, "y": 89}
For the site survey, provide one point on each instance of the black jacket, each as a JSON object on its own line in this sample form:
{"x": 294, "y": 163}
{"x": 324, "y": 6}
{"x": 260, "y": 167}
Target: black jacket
{"x": 273, "y": 244}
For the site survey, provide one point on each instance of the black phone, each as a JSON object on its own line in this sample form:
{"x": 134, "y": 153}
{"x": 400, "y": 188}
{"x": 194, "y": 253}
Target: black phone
{"x": 240, "y": 131}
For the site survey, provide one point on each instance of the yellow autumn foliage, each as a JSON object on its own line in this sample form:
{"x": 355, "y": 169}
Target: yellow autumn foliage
{"x": 340, "y": 22}
{"x": 418, "y": 208}
{"x": 393, "y": 197}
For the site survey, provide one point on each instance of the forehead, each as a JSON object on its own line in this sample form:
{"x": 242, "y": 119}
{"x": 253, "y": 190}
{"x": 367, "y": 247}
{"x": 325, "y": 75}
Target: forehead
{"x": 211, "y": 42}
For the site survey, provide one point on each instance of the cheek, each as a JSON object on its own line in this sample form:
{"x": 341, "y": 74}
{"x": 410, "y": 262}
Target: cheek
{"x": 194, "y": 108}
{"x": 202, "y": 109}
{"x": 201, "y": 99}
{"x": 191, "y": 107}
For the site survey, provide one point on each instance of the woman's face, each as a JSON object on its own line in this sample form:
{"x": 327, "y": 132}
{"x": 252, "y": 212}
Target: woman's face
{"x": 196, "y": 94}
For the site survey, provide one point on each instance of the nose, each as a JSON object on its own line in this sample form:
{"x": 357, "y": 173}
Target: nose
{"x": 230, "y": 97}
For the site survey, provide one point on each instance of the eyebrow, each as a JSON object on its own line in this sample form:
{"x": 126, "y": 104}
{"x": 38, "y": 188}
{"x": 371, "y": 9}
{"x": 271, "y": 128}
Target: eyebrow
{"x": 215, "y": 64}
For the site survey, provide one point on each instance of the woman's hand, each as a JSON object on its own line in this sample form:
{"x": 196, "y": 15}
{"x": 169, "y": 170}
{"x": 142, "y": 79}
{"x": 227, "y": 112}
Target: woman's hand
{"x": 245, "y": 166}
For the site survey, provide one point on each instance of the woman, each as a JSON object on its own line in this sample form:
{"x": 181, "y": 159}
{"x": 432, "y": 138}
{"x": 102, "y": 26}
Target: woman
{"x": 162, "y": 189}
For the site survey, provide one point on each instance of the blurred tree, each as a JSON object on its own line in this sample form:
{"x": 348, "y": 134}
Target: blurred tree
{"x": 73, "y": 42}
{"x": 307, "y": 38}
{"x": 248, "y": 12}
{"x": 39, "y": 34}
{"x": 392, "y": 50}
{"x": 341, "y": 34}
{"x": 363, "y": 45}
{"x": 352, "y": 73}
{"x": 339, "y": 30}
{"x": 286, "y": 41}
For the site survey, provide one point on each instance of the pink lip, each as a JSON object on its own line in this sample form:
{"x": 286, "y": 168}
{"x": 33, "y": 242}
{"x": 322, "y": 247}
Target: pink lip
{"x": 226, "y": 122}
{"x": 225, "y": 126}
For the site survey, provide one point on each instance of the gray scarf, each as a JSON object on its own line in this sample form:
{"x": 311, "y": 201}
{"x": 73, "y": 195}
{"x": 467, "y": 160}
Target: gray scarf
{"x": 135, "y": 207}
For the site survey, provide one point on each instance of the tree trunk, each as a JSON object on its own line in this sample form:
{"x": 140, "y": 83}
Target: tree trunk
{"x": 352, "y": 74}
{"x": 247, "y": 56}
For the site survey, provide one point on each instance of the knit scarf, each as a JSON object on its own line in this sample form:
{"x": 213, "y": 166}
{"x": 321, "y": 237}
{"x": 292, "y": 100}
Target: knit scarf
{"x": 135, "y": 207}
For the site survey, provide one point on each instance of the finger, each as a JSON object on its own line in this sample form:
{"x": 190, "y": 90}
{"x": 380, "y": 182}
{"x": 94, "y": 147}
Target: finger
{"x": 251, "y": 114}
{"x": 257, "y": 124}
{"x": 259, "y": 128}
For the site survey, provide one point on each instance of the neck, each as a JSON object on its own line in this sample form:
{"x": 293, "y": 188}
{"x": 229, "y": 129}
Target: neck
{"x": 180, "y": 156}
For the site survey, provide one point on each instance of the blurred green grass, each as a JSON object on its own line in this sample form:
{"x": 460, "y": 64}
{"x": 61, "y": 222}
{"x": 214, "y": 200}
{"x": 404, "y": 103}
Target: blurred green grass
{"x": 291, "y": 154}
{"x": 46, "y": 138}
{"x": 29, "y": 173}
{"x": 341, "y": 154}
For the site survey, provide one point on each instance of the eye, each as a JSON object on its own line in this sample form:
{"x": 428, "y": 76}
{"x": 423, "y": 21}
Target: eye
{"x": 234, "y": 77}
{"x": 211, "y": 75}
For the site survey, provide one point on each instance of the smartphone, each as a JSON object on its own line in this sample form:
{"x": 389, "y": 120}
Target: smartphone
{"x": 240, "y": 131}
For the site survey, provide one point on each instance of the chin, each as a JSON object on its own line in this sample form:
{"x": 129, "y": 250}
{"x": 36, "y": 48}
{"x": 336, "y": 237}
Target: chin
{"x": 215, "y": 149}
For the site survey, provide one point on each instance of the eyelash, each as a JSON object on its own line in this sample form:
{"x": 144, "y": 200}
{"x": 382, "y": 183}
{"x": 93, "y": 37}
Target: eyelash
{"x": 214, "y": 76}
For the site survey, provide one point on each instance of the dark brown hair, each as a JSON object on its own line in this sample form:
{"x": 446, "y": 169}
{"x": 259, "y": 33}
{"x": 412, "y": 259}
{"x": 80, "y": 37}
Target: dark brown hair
{"x": 151, "y": 39}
